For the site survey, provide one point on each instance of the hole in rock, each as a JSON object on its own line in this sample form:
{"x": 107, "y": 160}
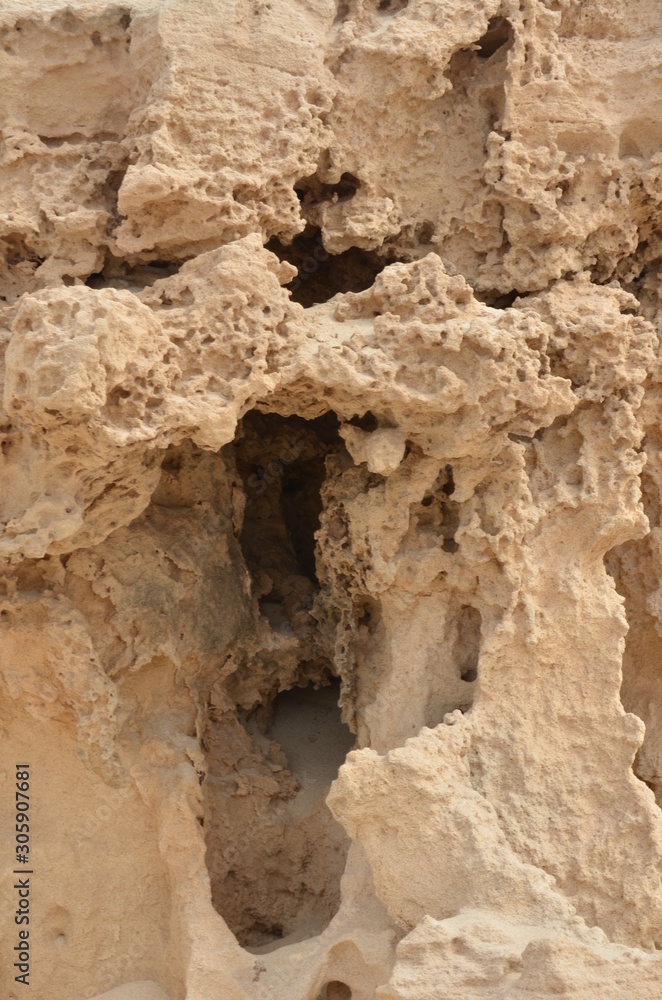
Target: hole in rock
{"x": 281, "y": 461}
{"x": 424, "y": 233}
{"x": 342, "y": 10}
{"x": 467, "y": 646}
{"x": 335, "y": 990}
{"x": 116, "y": 273}
{"x": 306, "y": 723}
{"x": 453, "y": 678}
{"x": 321, "y": 275}
{"x": 392, "y": 6}
{"x": 274, "y": 852}
{"x": 367, "y": 422}
{"x": 312, "y": 191}
{"x": 274, "y": 736}
{"x": 448, "y": 489}
{"x": 17, "y": 251}
{"x": 368, "y": 613}
{"x": 437, "y": 513}
{"x": 475, "y": 65}
{"x": 499, "y": 33}
{"x": 497, "y": 301}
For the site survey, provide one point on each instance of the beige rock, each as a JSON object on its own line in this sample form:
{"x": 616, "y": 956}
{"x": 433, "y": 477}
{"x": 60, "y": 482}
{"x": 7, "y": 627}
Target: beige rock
{"x": 143, "y": 990}
{"x": 382, "y": 450}
{"x": 330, "y": 544}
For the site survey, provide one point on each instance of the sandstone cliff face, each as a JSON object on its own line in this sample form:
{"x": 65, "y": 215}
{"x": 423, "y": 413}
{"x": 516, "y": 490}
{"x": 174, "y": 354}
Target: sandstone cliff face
{"x": 330, "y": 494}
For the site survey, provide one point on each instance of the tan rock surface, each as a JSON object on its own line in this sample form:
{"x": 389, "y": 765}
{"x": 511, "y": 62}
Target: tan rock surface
{"x": 330, "y": 544}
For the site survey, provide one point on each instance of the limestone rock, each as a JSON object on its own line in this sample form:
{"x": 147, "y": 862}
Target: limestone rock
{"x": 330, "y": 543}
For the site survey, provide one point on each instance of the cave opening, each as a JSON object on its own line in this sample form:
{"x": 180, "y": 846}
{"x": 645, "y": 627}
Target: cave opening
{"x": 335, "y": 990}
{"x": 306, "y": 722}
{"x": 321, "y": 274}
{"x": 282, "y": 465}
{"x": 274, "y": 736}
{"x": 275, "y": 854}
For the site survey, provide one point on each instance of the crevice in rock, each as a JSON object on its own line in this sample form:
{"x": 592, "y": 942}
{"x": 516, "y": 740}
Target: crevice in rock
{"x": 466, "y": 63}
{"x": 453, "y": 683}
{"x": 366, "y": 422}
{"x": 641, "y": 692}
{"x": 77, "y": 139}
{"x": 119, "y": 273}
{"x": 281, "y": 461}
{"x": 437, "y": 513}
{"x": 321, "y": 275}
{"x": 424, "y": 233}
{"x": 342, "y": 11}
{"x": 18, "y": 266}
{"x": 312, "y": 191}
{"x": 112, "y": 185}
{"x": 498, "y": 300}
{"x": 467, "y": 644}
{"x": 499, "y": 34}
{"x": 274, "y": 852}
{"x": 273, "y": 733}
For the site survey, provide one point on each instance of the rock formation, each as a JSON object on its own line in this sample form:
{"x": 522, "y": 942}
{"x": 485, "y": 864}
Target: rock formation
{"x": 331, "y": 535}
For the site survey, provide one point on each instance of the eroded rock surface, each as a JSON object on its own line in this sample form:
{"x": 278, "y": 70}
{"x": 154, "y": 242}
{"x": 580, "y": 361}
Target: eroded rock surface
{"x": 330, "y": 497}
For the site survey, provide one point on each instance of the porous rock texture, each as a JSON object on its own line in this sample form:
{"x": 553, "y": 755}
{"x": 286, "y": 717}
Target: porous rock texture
{"x": 330, "y": 492}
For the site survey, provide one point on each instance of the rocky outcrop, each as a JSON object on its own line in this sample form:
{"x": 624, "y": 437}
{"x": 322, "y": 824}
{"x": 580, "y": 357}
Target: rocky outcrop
{"x": 330, "y": 497}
